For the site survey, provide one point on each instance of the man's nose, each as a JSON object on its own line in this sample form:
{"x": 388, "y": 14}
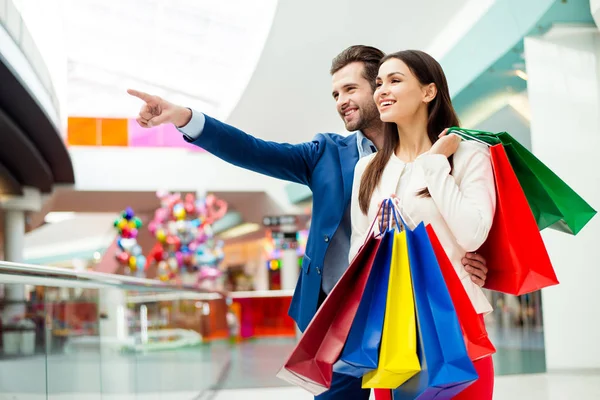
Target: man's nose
{"x": 342, "y": 102}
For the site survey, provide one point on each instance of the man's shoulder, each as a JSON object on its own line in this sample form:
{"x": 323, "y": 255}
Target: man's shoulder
{"x": 329, "y": 144}
{"x": 335, "y": 138}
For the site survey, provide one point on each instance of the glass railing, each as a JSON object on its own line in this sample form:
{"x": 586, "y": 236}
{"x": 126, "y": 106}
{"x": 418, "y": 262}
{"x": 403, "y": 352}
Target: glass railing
{"x": 86, "y": 335}
{"x": 67, "y": 334}
{"x": 11, "y": 20}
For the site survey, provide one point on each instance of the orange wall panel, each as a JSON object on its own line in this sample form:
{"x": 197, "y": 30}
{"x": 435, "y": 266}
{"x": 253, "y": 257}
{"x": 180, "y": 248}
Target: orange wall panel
{"x": 82, "y": 132}
{"x": 114, "y": 132}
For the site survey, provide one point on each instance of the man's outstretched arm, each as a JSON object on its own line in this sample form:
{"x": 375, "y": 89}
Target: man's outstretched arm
{"x": 280, "y": 160}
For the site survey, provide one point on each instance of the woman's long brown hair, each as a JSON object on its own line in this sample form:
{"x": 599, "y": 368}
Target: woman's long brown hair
{"x": 441, "y": 115}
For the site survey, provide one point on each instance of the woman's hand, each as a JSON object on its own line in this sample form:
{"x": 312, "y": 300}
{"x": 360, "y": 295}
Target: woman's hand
{"x": 446, "y": 145}
{"x": 386, "y": 211}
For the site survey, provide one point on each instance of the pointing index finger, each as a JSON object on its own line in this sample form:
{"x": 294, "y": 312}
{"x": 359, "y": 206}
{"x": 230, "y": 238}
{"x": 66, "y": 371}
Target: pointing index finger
{"x": 140, "y": 95}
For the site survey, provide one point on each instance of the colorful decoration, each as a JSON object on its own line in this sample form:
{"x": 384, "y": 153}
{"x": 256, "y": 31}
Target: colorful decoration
{"x": 129, "y": 253}
{"x": 185, "y": 245}
{"x": 275, "y": 244}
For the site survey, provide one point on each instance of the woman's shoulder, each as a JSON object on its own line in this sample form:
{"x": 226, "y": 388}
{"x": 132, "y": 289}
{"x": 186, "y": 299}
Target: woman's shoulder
{"x": 469, "y": 150}
{"x": 472, "y": 158}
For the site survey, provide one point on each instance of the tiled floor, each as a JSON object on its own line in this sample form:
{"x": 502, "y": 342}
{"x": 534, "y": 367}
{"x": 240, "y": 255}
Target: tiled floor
{"x": 247, "y": 371}
{"x": 98, "y": 396}
{"x": 251, "y": 364}
{"x": 514, "y": 387}
{"x": 254, "y": 364}
{"x": 251, "y": 375}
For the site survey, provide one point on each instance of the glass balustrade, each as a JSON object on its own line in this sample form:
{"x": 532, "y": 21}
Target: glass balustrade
{"x": 84, "y": 335}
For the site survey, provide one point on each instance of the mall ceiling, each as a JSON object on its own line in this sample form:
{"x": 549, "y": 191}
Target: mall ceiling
{"x": 32, "y": 152}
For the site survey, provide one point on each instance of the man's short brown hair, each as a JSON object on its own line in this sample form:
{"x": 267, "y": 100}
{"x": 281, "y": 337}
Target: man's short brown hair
{"x": 369, "y": 56}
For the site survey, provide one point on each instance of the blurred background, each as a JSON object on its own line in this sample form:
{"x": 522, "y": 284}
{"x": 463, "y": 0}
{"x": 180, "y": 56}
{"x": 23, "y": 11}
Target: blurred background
{"x": 117, "y": 241}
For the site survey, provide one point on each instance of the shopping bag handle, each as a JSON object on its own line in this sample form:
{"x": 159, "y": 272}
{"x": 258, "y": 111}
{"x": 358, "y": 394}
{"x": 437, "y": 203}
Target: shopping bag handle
{"x": 383, "y": 208}
{"x": 391, "y": 206}
{"x": 382, "y": 205}
{"x": 387, "y": 208}
{"x": 471, "y": 131}
{"x": 471, "y": 134}
{"x": 398, "y": 214}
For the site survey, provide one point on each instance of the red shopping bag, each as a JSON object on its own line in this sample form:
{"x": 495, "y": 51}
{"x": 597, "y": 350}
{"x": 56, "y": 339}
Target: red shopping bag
{"x": 476, "y": 337}
{"x": 383, "y": 394}
{"x": 517, "y": 260}
{"x": 310, "y": 365}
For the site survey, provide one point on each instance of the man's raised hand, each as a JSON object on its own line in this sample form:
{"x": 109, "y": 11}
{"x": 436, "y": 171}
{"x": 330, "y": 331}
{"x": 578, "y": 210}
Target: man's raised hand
{"x": 157, "y": 111}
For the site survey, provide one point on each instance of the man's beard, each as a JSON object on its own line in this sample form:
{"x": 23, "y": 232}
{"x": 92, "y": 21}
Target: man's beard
{"x": 368, "y": 115}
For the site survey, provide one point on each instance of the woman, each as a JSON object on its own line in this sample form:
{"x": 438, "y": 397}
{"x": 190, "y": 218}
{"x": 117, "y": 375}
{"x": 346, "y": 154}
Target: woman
{"x": 436, "y": 178}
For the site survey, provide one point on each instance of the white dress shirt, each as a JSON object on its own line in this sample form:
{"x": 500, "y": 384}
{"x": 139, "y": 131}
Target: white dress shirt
{"x": 195, "y": 126}
{"x": 365, "y": 146}
{"x": 460, "y": 210}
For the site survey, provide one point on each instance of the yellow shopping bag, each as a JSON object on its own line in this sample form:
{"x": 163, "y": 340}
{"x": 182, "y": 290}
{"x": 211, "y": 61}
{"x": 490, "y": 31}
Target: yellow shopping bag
{"x": 398, "y": 359}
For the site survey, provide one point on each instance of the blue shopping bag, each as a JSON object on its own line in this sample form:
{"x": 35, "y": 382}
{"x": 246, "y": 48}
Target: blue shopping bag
{"x": 361, "y": 352}
{"x": 446, "y": 367}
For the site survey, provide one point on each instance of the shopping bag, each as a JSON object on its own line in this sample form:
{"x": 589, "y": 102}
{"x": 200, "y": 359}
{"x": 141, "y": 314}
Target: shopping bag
{"x": 310, "y": 364}
{"x": 446, "y": 367}
{"x": 398, "y": 360}
{"x": 361, "y": 352}
{"x": 517, "y": 260}
{"x": 553, "y": 203}
{"x": 546, "y": 192}
{"x": 382, "y": 394}
{"x": 475, "y": 334}
{"x": 544, "y": 210}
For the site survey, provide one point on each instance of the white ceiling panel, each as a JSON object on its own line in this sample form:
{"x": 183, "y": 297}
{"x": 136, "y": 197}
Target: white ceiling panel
{"x": 200, "y": 53}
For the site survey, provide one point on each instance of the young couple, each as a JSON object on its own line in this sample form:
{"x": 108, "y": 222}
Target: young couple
{"x": 398, "y": 108}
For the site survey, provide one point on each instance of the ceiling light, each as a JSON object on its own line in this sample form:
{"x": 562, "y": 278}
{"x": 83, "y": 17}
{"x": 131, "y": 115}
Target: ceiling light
{"x": 54, "y": 217}
{"x": 521, "y": 74}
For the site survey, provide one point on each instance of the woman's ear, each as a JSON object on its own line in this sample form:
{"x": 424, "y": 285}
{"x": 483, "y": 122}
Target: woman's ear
{"x": 429, "y": 93}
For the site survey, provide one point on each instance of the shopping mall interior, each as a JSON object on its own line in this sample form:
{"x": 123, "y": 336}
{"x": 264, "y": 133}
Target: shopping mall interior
{"x": 136, "y": 265}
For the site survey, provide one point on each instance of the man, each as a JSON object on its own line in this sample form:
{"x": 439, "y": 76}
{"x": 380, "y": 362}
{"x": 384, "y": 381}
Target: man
{"x": 326, "y": 165}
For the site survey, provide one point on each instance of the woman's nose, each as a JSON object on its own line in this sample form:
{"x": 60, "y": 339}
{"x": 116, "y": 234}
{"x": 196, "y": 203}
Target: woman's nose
{"x": 383, "y": 91}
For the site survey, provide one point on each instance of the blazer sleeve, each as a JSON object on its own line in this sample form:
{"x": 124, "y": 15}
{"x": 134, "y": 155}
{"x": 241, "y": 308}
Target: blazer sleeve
{"x": 359, "y": 221}
{"x": 290, "y": 162}
{"x": 467, "y": 208}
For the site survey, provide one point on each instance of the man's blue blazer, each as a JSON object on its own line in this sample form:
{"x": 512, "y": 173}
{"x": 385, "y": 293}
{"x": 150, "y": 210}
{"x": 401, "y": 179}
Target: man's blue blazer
{"x": 325, "y": 165}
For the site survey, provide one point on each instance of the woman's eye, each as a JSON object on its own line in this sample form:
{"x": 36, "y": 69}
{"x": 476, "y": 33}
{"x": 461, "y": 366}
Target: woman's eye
{"x": 378, "y": 84}
{"x": 395, "y": 80}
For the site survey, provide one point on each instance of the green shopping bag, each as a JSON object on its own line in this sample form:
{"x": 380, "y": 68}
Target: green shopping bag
{"x": 553, "y": 203}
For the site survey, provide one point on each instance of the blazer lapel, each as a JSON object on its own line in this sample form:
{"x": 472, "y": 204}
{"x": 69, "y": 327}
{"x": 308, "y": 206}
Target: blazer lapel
{"x": 348, "y": 151}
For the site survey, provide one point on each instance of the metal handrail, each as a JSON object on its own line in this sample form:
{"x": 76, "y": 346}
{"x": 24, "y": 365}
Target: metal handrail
{"x": 99, "y": 279}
